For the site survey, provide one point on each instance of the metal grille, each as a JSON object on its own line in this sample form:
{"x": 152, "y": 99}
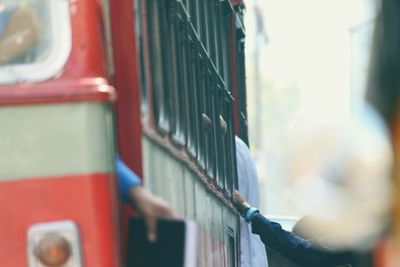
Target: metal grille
{"x": 191, "y": 79}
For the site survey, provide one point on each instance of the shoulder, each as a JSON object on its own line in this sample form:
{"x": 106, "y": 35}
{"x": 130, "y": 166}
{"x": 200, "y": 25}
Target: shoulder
{"x": 241, "y": 147}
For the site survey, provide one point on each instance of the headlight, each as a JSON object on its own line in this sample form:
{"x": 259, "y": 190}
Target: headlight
{"x": 53, "y": 250}
{"x": 54, "y": 244}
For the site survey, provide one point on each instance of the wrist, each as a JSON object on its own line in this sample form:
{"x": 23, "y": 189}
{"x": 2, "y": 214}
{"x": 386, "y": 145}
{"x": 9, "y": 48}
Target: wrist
{"x": 250, "y": 213}
{"x": 243, "y": 208}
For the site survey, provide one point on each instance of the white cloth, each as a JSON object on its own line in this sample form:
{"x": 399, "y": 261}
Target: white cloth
{"x": 252, "y": 250}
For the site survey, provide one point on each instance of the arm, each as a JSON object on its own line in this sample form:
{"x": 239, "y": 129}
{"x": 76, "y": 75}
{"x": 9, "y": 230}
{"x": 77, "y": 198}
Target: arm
{"x": 148, "y": 205}
{"x": 295, "y": 248}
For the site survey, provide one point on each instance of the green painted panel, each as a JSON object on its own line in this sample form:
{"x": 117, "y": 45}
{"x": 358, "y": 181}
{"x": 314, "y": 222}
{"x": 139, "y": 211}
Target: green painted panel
{"x": 164, "y": 176}
{"x": 190, "y": 195}
{"x": 148, "y": 161}
{"x": 171, "y": 179}
{"x": 51, "y": 140}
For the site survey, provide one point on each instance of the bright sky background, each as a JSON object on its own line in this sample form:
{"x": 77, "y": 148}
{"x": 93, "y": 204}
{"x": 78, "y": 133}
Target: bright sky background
{"x": 305, "y": 77}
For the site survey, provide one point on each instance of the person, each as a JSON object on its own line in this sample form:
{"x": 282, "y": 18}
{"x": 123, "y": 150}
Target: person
{"x": 301, "y": 251}
{"x": 20, "y": 29}
{"x": 350, "y": 181}
{"x": 148, "y": 205}
{"x": 252, "y": 252}
{"x": 380, "y": 113}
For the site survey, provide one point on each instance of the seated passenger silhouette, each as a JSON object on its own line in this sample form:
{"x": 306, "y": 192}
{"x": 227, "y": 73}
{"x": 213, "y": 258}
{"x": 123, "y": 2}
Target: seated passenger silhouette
{"x": 20, "y": 30}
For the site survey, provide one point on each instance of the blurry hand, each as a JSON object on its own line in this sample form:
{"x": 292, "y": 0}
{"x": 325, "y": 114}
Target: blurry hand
{"x": 240, "y": 203}
{"x": 151, "y": 208}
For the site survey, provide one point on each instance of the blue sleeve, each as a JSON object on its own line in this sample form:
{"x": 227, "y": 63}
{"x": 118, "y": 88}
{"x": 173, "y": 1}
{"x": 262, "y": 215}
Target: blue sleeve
{"x": 126, "y": 178}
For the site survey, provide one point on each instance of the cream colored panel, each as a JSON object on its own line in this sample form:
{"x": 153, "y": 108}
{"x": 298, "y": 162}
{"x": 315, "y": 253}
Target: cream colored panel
{"x": 59, "y": 139}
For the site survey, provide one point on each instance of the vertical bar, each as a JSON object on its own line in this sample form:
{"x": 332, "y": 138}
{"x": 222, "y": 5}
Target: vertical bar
{"x": 191, "y": 87}
{"x": 177, "y": 74}
{"x": 206, "y": 36}
{"x": 211, "y": 27}
{"x": 215, "y": 133}
{"x": 156, "y": 22}
{"x": 199, "y": 104}
{"x": 220, "y": 137}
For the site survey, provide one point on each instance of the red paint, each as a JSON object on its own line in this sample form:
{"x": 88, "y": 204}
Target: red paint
{"x": 76, "y": 81}
{"x": 89, "y": 200}
{"x": 87, "y": 55}
{"x": 57, "y": 92}
{"x": 127, "y": 83}
{"x": 236, "y": 2}
{"x": 150, "y": 117}
{"x": 232, "y": 43}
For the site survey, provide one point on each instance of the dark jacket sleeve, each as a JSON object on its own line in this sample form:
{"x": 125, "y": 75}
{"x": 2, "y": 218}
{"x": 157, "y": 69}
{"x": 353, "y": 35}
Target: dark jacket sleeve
{"x": 295, "y": 248}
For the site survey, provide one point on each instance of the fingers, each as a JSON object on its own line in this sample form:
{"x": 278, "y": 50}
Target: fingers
{"x": 239, "y": 202}
{"x": 151, "y": 223}
{"x": 151, "y": 208}
{"x": 237, "y": 198}
{"x": 162, "y": 210}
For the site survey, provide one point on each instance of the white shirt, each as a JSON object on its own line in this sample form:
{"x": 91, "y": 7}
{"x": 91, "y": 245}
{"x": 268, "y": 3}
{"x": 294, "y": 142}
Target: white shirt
{"x": 252, "y": 250}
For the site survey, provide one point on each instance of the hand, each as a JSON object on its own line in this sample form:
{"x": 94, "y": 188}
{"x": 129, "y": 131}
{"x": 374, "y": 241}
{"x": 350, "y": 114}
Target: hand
{"x": 240, "y": 203}
{"x": 151, "y": 208}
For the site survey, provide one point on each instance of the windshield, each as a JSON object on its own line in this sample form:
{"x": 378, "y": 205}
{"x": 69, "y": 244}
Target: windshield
{"x": 24, "y": 31}
{"x": 30, "y": 32}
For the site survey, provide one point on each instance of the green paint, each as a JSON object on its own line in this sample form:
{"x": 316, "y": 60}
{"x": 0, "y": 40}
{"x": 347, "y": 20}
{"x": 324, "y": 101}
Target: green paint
{"x": 172, "y": 179}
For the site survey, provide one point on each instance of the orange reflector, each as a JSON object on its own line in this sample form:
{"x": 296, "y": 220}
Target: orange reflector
{"x": 53, "y": 250}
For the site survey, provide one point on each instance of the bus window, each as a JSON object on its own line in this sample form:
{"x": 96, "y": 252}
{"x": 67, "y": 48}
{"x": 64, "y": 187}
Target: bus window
{"x": 21, "y": 34}
{"x": 29, "y": 32}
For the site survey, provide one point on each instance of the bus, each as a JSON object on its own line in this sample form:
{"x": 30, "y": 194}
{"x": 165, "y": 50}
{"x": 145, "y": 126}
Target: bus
{"x": 161, "y": 82}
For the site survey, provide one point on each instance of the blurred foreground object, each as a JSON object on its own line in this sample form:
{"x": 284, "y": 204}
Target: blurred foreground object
{"x": 341, "y": 178}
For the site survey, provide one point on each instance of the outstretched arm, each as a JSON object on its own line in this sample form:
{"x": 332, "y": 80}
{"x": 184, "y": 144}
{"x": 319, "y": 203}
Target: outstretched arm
{"x": 295, "y": 248}
{"x": 148, "y": 205}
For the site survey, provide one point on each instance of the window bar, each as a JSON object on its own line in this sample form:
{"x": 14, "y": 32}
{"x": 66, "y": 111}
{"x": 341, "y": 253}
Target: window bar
{"x": 221, "y": 132}
{"x": 215, "y": 133}
{"x": 212, "y": 33}
{"x": 196, "y": 77}
{"x": 161, "y": 108}
{"x": 191, "y": 87}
